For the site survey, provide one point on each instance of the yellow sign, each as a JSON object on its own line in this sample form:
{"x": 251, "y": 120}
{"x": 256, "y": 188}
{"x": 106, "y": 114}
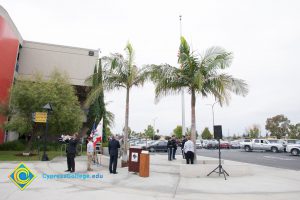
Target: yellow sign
{"x": 40, "y": 117}
{"x": 22, "y": 176}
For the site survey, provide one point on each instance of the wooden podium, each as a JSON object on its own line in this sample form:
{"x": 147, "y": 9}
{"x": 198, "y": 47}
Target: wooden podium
{"x": 144, "y": 164}
{"x": 134, "y": 159}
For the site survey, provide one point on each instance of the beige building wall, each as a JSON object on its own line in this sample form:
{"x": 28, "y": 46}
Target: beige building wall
{"x": 44, "y": 58}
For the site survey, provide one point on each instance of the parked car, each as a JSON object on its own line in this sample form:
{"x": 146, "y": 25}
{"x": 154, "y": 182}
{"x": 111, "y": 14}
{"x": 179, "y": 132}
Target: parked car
{"x": 235, "y": 144}
{"x": 212, "y": 144}
{"x": 160, "y": 145}
{"x": 262, "y": 144}
{"x": 294, "y": 149}
{"x": 204, "y": 143}
{"x": 291, "y": 141}
{"x": 198, "y": 144}
{"x": 224, "y": 144}
{"x": 278, "y": 141}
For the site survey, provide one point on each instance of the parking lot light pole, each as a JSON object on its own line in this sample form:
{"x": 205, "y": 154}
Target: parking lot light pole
{"x": 154, "y": 119}
{"x": 213, "y": 114}
{"x": 47, "y": 107}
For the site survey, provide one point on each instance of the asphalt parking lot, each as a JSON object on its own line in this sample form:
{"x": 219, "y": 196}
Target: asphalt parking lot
{"x": 279, "y": 160}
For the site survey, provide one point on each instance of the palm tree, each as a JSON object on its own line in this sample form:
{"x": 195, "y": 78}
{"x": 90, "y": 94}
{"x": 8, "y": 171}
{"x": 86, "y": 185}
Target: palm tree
{"x": 120, "y": 72}
{"x": 198, "y": 75}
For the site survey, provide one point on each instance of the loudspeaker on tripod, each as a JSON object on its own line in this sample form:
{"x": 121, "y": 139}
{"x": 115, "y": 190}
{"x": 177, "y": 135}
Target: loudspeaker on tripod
{"x": 218, "y": 132}
{"x": 218, "y": 135}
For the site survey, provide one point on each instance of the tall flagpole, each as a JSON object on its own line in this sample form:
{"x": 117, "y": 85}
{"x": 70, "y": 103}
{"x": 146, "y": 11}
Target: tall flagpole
{"x": 182, "y": 90}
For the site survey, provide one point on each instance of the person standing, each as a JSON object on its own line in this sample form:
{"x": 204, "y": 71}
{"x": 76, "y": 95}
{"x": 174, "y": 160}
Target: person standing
{"x": 189, "y": 151}
{"x": 170, "y": 149}
{"x": 71, "y": 152}
{"x": 182, "y": 146}
{"x": 113, "y": 147}
{"x": 174, "y": 146}
{"x": 90, "y": 153}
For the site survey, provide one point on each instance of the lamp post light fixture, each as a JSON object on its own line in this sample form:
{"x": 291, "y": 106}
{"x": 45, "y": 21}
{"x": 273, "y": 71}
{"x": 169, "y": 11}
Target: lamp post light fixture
{"x": 154, "y": 119}
{"x": 47, "y": 107}
{"x": 213, "y": 114}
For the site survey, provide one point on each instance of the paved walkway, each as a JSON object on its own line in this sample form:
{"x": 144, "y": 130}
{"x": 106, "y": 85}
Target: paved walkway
{"x": 168, "y": 180}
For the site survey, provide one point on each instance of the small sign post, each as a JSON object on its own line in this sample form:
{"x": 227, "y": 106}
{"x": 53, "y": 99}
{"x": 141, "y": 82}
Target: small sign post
{"x": 39, "y": 117}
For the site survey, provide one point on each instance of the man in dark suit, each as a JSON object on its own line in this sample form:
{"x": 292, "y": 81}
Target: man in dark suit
{"x": 174, "y": 145}
{"x": 113, "y": 147}
{"x": 71, "y": 152}
{"x": 170, "y": 149}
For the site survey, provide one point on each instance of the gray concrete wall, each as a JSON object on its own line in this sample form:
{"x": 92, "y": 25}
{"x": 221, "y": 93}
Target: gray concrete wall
{"x": 45, "y": 58}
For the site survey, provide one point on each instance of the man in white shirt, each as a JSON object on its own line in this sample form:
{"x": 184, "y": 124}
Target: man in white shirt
{"x": 189, "y": 151}
{"x": 90, "y": 153}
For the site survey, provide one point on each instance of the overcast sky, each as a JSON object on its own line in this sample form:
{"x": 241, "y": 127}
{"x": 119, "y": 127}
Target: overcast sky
{"x": 263, "y": 35}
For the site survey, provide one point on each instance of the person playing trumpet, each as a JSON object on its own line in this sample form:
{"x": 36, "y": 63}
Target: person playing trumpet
{"x": 72, "y": 142}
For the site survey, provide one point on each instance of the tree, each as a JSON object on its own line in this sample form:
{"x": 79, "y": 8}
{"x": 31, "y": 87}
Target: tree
{"x": 96, "y": 104}
{"x": 178, "y": 131}
{"x": 108, "y": 132}
{"x": 130, "y": 132}
{"x": 198, "y": 75}
{"x": 278, "y": 126}
{"x": 294, "y": 131}
{"x": 236, "y": 137}
{"x": 253, "y": 131}
{"x": 120, "y": 72}
{"x": 28, "y": 97}
{"x": 167, "y": 137}
{"x": 156, "y": 137}
{"x": 206, "y": 134}
{"x": 189, "y": 132}
{"x": 149, "y": 132}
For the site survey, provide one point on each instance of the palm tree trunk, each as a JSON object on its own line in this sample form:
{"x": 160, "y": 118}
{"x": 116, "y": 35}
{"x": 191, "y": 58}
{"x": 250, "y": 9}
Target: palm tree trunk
{"x": 193, "y": 118}
{"x": 124, "y": 156}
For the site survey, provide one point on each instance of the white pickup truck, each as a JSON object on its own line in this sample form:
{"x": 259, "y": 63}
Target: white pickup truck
{"x": 294, "y": 149}
{"x": 261, "y": 144}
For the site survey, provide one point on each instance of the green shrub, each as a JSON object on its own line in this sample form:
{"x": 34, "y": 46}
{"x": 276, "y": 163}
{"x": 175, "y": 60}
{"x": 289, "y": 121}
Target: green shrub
{"x": 105, "y": 144}
{"x": 17, "y": 145}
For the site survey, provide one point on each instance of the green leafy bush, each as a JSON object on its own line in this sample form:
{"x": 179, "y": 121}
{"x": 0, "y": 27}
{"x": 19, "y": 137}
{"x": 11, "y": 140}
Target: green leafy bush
{"x": 17, "y": 145}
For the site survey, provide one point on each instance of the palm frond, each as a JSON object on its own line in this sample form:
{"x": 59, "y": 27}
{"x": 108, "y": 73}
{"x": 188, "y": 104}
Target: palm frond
{"x": 130, "y": 53}
{"x": 93, "y": 95}
{"x": 110, "y": 117}
{"x": 184, "y": 50}
{"x": 142, "y": 76}
{"x": 221, "y": 85}
{"x": 216, "y": 58}
{"x": 167, "y": 79}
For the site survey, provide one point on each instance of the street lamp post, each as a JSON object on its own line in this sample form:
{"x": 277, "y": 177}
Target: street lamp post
{"x": 213, "y": 114}
{"x": 47, "y": 107}
{"x": 154, "y": 119}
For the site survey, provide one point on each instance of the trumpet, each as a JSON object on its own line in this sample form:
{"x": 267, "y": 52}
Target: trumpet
{"x": 63, "y": 138}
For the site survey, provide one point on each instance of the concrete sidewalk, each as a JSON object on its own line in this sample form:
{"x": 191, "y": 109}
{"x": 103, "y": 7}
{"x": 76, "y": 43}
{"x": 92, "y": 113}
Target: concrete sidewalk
{"x": 168, "y": 180}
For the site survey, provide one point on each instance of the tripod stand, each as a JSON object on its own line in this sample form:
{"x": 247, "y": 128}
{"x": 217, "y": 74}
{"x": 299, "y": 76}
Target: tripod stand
{"x": 220, "y": 167}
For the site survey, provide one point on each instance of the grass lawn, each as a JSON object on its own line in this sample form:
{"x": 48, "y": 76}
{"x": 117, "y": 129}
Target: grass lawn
{"x": 12, "y": 156}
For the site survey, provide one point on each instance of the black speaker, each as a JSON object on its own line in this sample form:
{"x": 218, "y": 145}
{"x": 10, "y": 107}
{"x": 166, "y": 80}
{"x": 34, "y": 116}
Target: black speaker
{"x": 218, "y": 132}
